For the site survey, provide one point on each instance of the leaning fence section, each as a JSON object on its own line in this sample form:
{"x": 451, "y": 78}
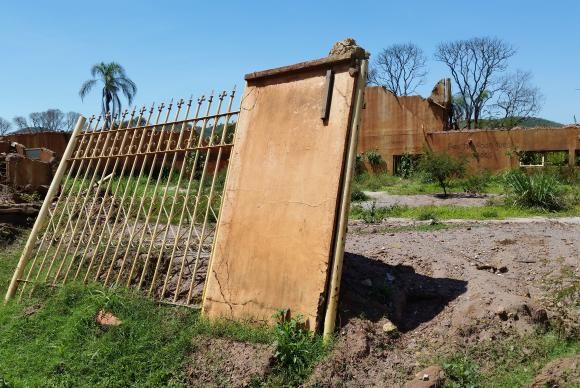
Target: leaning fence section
{"x": 138, "y": 202}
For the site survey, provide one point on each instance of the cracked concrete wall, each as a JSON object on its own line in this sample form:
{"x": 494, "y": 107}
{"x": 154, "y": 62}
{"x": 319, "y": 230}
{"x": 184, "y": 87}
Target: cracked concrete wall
{"x": 276, "y": 228}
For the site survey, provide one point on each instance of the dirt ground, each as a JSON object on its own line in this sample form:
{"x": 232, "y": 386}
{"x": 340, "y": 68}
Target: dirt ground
{"x": 409, "y": 297}
{"x": 446, "y": 289}
{"x": 383, "y": 199}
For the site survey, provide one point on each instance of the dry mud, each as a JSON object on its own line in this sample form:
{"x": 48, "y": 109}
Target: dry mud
{"x": 443, "y": 290}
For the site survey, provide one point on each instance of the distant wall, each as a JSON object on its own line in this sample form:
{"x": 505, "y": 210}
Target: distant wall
{"x": 55, "y": 141}
{"x": 21, "y": 171}
{"x": 394, "y": 126}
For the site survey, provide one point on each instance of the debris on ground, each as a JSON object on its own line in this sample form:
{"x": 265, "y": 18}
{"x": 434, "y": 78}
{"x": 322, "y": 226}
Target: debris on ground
{"x": 105, "y": 318}
{"x": 227, "y": 363}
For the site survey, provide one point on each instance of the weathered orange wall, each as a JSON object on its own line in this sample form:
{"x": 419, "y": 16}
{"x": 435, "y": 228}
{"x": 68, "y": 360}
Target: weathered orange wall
{"x": 394, "y": 125}
{"x": 494, "y": 149}
{"x": 277, "y": 223}
{"x": 55, "y": 141}
{"x": 22, "y": 171}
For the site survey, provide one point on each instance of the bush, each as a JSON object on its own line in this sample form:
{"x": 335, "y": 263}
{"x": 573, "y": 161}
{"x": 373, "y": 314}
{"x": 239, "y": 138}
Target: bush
{"x": 427, "y": 215}
{"x": 374, "y": 158}
{"x": 407, "y": 165}
{"x": 442, "y": 167}
{"x": 535, "y": 190}
{"x": 475, "y": 184}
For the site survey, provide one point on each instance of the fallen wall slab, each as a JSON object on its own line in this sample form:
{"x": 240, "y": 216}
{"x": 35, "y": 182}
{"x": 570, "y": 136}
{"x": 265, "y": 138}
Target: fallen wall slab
{"x": 277, "y": 231}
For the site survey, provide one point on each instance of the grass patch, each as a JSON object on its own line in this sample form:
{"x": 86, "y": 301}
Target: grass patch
{"x": 60, "y": 344}
{"x": 447, "y": 212}
{"x": 511, "y": 362}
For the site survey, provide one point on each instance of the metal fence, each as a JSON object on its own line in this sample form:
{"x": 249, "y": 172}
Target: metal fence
{"x": 135, "y": 202}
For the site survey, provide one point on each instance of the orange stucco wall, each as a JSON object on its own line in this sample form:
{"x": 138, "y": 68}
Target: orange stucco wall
{"x": 393, "y": 126}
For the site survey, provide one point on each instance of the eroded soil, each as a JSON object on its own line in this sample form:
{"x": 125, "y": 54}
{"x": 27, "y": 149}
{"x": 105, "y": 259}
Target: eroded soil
{"x": 445, "y": 290}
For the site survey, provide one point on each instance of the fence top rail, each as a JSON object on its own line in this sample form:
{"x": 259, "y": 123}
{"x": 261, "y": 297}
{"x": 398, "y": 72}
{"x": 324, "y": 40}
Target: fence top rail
{"x": 167, "y": 124}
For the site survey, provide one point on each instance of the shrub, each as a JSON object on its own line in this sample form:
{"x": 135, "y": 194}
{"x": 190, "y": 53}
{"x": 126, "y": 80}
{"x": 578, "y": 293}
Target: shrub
{"x": 442, "y": 167}
{"x": 375, "y": 214}
{"x": 535, "y": 190}
{"x": 357, "y": 195}
{"x": 374, "y": 158}
{"x": 475, "y": 184}
{"x": 407, "y": 165}
{"x": 426, "y": 216}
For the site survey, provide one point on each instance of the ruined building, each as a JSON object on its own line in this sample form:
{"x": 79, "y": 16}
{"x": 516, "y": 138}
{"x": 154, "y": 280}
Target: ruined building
{"x": 394, "y": 126}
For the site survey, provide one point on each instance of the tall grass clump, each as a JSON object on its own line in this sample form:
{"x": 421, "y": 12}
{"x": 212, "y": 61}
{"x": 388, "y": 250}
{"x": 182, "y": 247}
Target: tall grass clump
{"x": 539, "y": 190}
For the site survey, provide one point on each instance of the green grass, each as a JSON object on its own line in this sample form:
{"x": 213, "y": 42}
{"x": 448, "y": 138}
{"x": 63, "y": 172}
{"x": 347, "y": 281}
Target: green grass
{"x": 447, "y": 212}
{"x": 511, "y": 362}
{"x": 62, "y": 345}
{"x": 414, "y": 185}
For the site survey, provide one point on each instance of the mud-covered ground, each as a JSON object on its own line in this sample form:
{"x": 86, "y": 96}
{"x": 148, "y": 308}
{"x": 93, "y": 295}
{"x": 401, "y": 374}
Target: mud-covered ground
{"x": 412, "y": 295}
{"x": 445, "y": 290}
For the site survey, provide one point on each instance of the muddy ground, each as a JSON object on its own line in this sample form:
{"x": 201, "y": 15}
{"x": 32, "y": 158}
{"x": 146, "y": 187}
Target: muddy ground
{"x": 411, "y": 297}
{"x": 445, "y": 290}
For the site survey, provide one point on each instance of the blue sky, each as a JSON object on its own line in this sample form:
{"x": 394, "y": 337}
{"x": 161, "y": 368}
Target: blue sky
{"x": 178, "y": 48}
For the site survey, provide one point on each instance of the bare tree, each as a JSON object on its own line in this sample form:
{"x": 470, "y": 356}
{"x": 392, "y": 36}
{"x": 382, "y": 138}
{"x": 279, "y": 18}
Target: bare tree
{"x": 51, "y": 119}
{"x": 475, "y": 64}
{"x": 70, "y": 121}
{"x": 5, "y": 126}
{"x": 399, "y": 68}
{"x": 20, "y": 122}
{"x": 516, "y": 99}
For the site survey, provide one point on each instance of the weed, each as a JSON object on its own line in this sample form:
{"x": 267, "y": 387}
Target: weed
{"x": 490, "y": 214}
{"x": 374, "y": 214}
{"x": 476, "y": 184}
{"x": 427, "y": 215}
{"x": 461, "y": 372}
{"x": 296, "y": 347}
{"x": 357, "y": 195}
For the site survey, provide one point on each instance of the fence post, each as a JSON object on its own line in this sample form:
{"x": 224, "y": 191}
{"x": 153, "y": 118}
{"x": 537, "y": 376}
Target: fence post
{"x": 338, "y": 257}
{"x": 42, "y": 214}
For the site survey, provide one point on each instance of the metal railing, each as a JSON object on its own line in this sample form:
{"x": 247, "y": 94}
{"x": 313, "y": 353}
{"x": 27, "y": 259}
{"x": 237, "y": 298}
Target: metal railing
{"x": 135, "y": 202}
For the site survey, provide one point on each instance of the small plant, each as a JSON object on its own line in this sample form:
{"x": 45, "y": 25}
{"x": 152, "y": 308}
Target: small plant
{"x": 296, "y": 347}
{"x": 461, "y": 372}
{"x": 374, "y": 158}
{"x": 428, "y": 215}
{"x": 538, "y": 190}
{"x": 442, "y": 167}
{"x": 358, "y": 195}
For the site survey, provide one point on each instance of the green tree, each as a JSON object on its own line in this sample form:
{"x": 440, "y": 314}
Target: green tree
{"x": 441, "y": 167}
{"x": 115, "y": 81}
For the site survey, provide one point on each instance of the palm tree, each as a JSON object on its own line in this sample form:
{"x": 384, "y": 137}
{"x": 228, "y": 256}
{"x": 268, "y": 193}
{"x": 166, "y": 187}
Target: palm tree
{"x": 114, "y": 80}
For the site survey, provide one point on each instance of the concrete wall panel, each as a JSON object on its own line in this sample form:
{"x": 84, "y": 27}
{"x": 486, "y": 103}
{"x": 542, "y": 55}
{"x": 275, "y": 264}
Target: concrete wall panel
{"x": 276, "y": 225}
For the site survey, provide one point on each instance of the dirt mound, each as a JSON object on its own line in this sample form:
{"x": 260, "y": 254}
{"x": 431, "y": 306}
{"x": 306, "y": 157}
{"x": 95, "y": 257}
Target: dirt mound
{"x": 563, "y": 372}
{"x": 221, "y": 362}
